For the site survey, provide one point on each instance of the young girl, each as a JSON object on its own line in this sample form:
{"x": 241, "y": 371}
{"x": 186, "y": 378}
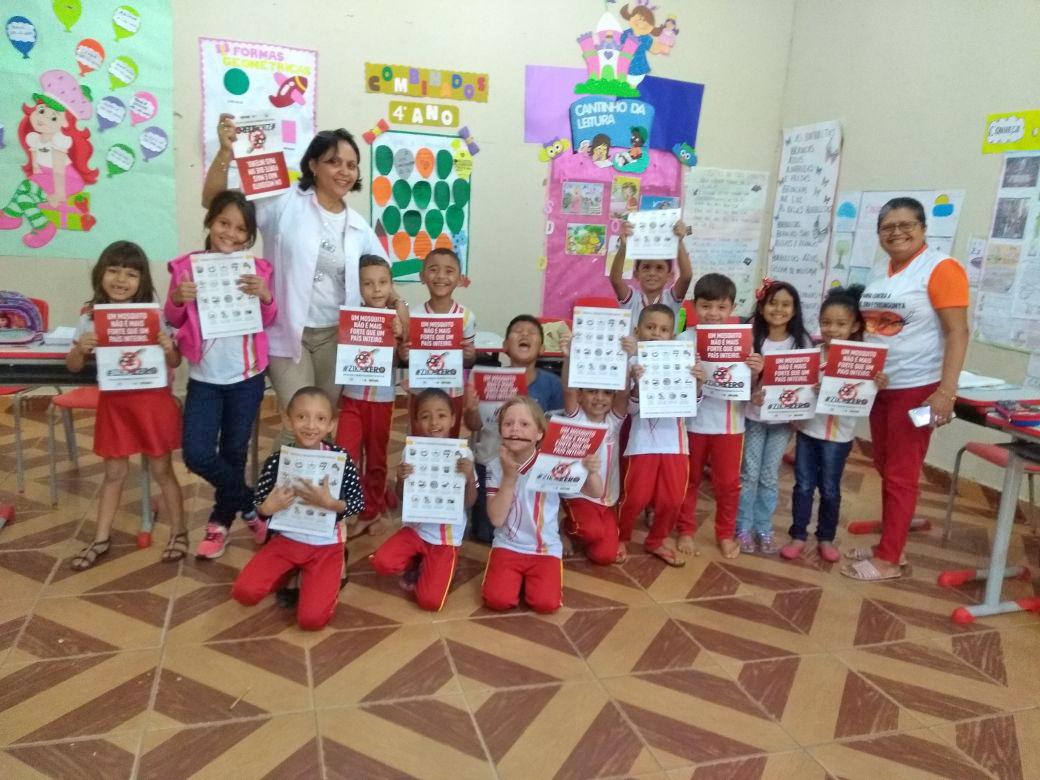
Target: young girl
{"x": 824, "y": 442}
{"x": 425, "y": 553}
{"x": 130, "y": 421}
{"x": 225, "y": 374}
{"x": 526, "y": 553}
{"x": 776, "y": 326}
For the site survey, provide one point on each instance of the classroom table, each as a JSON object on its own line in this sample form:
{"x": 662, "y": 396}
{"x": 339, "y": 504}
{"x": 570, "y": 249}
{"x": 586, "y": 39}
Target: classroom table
{"x": 40, "y": 365}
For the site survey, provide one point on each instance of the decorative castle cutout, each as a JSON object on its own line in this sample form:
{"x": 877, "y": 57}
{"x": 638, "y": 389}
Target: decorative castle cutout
{"x": 607, "y": 60}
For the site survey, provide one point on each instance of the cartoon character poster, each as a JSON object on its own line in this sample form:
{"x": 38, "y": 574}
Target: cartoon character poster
{"x": 87, "y": 106}
{"x": 240, "y": 77}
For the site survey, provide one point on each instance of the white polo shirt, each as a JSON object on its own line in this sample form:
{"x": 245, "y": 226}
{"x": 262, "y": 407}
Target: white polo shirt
{"x": 636, "y": 301}
{"x": 609, "y": 460}
{"x": 532, "y": 526}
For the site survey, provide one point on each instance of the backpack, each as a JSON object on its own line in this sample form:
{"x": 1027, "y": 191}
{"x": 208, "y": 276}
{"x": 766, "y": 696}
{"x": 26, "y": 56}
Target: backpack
{"x": 20, "y": 318}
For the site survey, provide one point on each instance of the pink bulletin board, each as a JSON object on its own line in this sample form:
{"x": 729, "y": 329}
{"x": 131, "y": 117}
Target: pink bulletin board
{"x": 571, "y": 276}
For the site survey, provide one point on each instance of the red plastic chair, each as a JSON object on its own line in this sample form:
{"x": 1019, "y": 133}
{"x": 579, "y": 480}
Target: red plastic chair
{"x": 18, "y": 391}
{"x": 998, "y": 456}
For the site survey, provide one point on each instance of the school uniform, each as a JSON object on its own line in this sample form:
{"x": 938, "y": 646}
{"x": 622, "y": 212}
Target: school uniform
{"x": 636, "y": 301}
{"x": 594, "y": 519}
{"x": 434, "y": 548}
{"x": 469, "y": 335}
{"x": 366, "y": 415}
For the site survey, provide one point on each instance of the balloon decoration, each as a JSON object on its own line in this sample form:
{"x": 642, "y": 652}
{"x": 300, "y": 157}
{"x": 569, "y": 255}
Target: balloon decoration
{"x": 110, "y": 112}
{"x": 122, "y": 72}
{"x": 143, "y": 107}
{"x": 153, "y": 142}
{"x": 68, "y": 12}
{"x": 125, "y": 22}
{"x": 22, "y": 35}
{"x": 90, "y": 54}
{"x": 120, "y": 159}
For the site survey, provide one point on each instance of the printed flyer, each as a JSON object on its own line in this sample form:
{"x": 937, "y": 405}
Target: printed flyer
{"x": 259, "y": 156}
{"x": 495, "y": 386}
{"x": 296, "y": 464}
{"x": 597, "y": 360}
{"x": 667, "y": 388}
{"x": 435, "y": 352}
{"x": 435, "y": 492}
{"x": 724, "y": 349}
{"x": 652, "y": 237}
{"x": 789, "y": 381}
{"x": 224, "y": 310}
{"x": 128, "y": 353}
{"x": 558, "y": 468}
{"x": 848, "y": 386}
{"x": 365, "y": 352}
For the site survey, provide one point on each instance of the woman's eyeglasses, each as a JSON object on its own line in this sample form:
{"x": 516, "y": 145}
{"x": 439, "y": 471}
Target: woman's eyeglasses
{"x": 901, "y": 227}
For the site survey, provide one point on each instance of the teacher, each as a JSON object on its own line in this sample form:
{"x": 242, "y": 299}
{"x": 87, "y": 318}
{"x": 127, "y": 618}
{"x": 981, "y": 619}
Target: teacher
{"x": 918, "y": 308}
{"x": 314, "y": 240}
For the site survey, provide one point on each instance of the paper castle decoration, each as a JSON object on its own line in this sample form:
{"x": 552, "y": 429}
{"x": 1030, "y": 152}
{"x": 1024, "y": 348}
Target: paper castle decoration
{"x": 607, "y": 60}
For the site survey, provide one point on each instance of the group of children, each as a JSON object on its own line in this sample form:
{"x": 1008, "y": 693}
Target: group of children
{"x": 642, "y": 464}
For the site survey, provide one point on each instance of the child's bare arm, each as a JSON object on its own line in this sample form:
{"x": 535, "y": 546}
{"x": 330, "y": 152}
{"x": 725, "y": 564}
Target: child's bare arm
{"x": 465, "y": 466}
{"x": 617, "y": 268}
{"x": 682, "y": 282}
{"x": 77, "y": 357}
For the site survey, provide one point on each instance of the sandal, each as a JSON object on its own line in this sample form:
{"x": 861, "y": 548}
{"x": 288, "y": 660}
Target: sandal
{"x": 88, "y": 556}
{"x": 866, "y": 571}
{"x": 669, "y": 556}
{"x": 176, "y": 548}
{"x": 866, "y": 553}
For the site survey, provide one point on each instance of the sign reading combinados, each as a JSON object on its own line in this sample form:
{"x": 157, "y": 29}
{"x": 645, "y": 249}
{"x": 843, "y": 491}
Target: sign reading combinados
{"x": 426, "y": 82}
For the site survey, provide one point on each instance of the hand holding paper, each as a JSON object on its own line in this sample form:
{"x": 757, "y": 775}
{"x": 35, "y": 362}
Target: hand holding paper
{"x": 280, "y": 497}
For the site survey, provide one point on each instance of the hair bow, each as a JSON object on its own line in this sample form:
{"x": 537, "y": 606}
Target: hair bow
{"x": 767, "y": 282}
{"x": 380, "y": 128}
{"x": 468, "y": 140}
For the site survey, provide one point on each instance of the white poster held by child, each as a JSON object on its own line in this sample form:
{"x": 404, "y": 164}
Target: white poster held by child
{"x": 435, "y": 352}
{"x": 436, "y": 491}
{"x": 296, "y": 464}
{"x": 666, "y": 388}
{"x": 558, "y": 467}
{"x": 224, "y": 310}
{"x": 259, "y": 156}
{"x": 723, "y": 349}
{"x": 789, "y": 380}
{"x": 495, "y": 386}
{"x": 652, "y": 237}
{"x": 365, "y": 349}
{"x": 128, "y": 353}
{"x": 848, "y": 386}
{"x": 597, "y": 360}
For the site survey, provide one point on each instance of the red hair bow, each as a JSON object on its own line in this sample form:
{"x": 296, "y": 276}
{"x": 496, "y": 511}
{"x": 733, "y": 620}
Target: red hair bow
{"x": 763, "y": 288}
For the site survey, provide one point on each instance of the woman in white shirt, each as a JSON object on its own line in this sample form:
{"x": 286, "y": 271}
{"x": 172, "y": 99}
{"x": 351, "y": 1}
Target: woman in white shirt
{"x": 314, "y": 240}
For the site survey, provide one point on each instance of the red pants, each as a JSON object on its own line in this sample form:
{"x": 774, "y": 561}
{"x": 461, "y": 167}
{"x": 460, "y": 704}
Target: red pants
{"x": 724, "y": 452}
{"x": 653, "y": 479}
{"x": 364, "y": 432}
{"x": 320, "y": 570}
{"x": 899, "y": 450}
{"x": 597, "y": 526}
{"x": 456, "y": 410}
{"x": 540, "y": 576}
{"x": 436, "y": 562}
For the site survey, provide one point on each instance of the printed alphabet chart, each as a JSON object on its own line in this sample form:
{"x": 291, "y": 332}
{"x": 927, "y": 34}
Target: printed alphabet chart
{"x": 597, "y": 360}
{"x": 295, "y": 464}
{"x": 653, "y": 238}
{"x": 667, "y": 388}
{"x": 224, "y": 310}
{"x": 436, "y": 491}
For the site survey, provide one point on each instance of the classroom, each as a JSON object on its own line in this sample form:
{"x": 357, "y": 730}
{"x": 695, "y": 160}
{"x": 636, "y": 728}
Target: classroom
{"x": 416, "y": 389}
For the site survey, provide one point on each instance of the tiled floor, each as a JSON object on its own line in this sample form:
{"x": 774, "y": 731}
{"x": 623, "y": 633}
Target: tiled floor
{"x": 748, "y": 668}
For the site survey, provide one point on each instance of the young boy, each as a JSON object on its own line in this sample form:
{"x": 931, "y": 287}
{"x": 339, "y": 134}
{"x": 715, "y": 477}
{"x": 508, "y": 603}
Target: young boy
{"x": 657, "y": 453}
{"x": 319, "y": 557}
{"x": 717, "y": 432}
{"x": 652, "y": 275}
{"x": 366, "y": 413}
{"x": 523, "y": 345}
{"x": 442, "y": 274}
{"x": 426, "y": 553}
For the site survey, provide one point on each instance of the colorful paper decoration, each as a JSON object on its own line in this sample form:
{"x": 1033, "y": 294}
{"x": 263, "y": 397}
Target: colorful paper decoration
{"x": 687, "y": 154}
{"x": 553, "y": 149}
{"x": 467, "y": 137}
{"x": 407, "y": 112}
{"x": 425, "y": 82}
{"x": 380, "y": 128}
{"x": 607, "y": 60}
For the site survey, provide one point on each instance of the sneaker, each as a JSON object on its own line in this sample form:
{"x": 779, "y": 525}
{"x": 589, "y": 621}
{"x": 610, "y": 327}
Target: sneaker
{"x": 213, "y": 545}
{"x": 829, "y": 552}
{"x": 746, "y": 541}
{"x": 257, "y": 526}
{"x": 766, "y": 544}
{"x": 792, "y": 550}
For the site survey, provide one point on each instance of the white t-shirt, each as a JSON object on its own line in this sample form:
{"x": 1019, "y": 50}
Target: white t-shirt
{"x": 636, "y": 301}
{"x": 655, "y": 436}
{"x": 330, "y": 272}
{"x": 828, "y": 427}
{"x": 226, "y": 360}
{"x": 532, "y": 526}
{"x": 609, "y": 460}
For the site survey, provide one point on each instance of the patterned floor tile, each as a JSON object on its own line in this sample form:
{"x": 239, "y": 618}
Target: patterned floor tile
{"x": 111, "y": 757}
{"x": 1006, "y": 745}
{"x": 373, "y": 597}
{"x": 24, "y": 573}
{"x": 123, "y": 568}
{"x": 915, "y": 755}
{"x": 779, "y": 766}
{"x": 1007, "y": 657}
{"x": 701, "y": 577}
{"x": 564, "y": 731}
{"x": 418, "y": 738}
{"x": 282, "y": 746}
{"x": 588, "y": 585}
{"x": 836, "y": 617}
{"x": 13, "y": 615}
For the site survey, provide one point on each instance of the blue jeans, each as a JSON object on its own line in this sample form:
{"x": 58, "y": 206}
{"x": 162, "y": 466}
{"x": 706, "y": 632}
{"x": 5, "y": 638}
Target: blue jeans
{"x": 764, "y": 445}
{"x": 817, "y": 464}
{"x": 218, "y": 422}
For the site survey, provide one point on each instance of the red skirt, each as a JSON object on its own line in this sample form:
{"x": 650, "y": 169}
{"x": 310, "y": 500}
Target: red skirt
{"x": 131, "y": 422}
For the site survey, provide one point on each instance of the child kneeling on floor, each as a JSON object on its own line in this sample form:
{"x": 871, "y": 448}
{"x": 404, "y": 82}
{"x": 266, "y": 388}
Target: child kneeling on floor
{"x": 318, "y": 557}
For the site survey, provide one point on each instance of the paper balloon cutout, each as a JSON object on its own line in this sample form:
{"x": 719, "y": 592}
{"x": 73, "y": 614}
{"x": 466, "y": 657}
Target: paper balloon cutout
{"x": 68, "y": 12}
{"x": 120, "y": 159}
{"x": 381, "y": 190}
{"x": 153, "y": 142}
{"x": 110, "y": 112}
{"x": 412, "y": 221}
{"x": 443, "y": 242}
{"x": 122, "y": 72}
{"x": 125, "y": 22}
{"x": 441, "y": 195}
{"x": 455, "y": 218}
{"x": 402, "y": 245}
{"x": 384, "y": 159}
{"x": 421, "y": 193}
{"x": 392, "y": 220}
{"x": 422, "y": 245}
{"x": 445, "y": 161}
{"x": 404, "y": 162}
{"x": 402, "y": 192}
{"x": 434, "y": 222}
{"x": 22, "y": 35}
{"x": 424, "y": 162}
{"x": 89, "y": 55}
{"x": 143, "y": 107}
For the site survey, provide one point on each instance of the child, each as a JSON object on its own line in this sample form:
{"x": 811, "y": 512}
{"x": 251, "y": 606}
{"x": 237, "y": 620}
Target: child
{"x": 319, "y": 557}
{"x": 823, "y": 443}
{"x": 366, "y": 413}
{"x": 775, "y": 326}
{"x": 526, "y": 555}
{"x": 130, "y": 421}
{"x": 594, "y": 519}
{"x": 717, "y": 432}
{"x": 523, "y": 345}
{"x": 426, "y": 553}
{"x": 652, "y": 276}
{"x": 658, "y": 456}
{"x": 442, "y": 274}
{"x": 225, "y": 374}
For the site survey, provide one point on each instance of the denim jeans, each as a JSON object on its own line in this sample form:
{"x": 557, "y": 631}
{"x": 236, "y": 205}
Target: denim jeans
{"x": 218, "y": 422}
{"x": 817, "y": 464}
{"x": 764, "y": 445}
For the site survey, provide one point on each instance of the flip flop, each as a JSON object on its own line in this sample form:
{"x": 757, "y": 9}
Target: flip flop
{"x": 866, "y": 553}
{"x": 866, "y": 571}
{"x": 668, "y": 556}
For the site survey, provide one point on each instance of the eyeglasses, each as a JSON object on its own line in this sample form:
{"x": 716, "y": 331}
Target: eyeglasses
{"x": 902, "y": 227}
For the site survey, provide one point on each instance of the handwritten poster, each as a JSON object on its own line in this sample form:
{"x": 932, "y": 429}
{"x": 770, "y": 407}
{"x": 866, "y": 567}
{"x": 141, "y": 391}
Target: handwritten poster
{"x": 224, "y": 310}
{"x": 724, "y": 350}
{"x": 435, "y": 492}
{"x": 724, "y": 211}
{"x": 435, "y": 353}
{"x": 365, "y": 348}
{"x": 597, "y": 360}
{"x": 297, "y": 464}
{"x": 809, "y": 164}
{"x": 788, "y": 381}
{"x": 558, "y": 467}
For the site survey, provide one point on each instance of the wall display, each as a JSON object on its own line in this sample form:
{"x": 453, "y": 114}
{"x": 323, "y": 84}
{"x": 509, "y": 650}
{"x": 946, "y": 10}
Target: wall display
{"x": 224, "y": 310}
{"x": 365, "y": 347}
{"x": 1012, "y": 131}
{"x": 260, "y": 157}
{"x": 87, "y": 105}
{"x": 431, "y": 83}
{"x": 249, "y": 78}
{"x": 558, "y": 467}
{"x": 624, "y": 196}
{"x": 407, "y": 112}
{"x": 724, "y": 350}
{"x": 297, "y": 464}
{"x": 585, "y": 239}
{"x": 420, "y": 189}
{"x": 128, "y": 353}
{"x": 724, "y": 210}
{"x": 582, "y": 197}
{"x": 435, "y": 492}
{"x": 597, "y": 360}
{"x": 667, "y": 388}
{"x": 788, "y": 382}
{"x": 435, "y": 351}
{"x": 848, "y": 387}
